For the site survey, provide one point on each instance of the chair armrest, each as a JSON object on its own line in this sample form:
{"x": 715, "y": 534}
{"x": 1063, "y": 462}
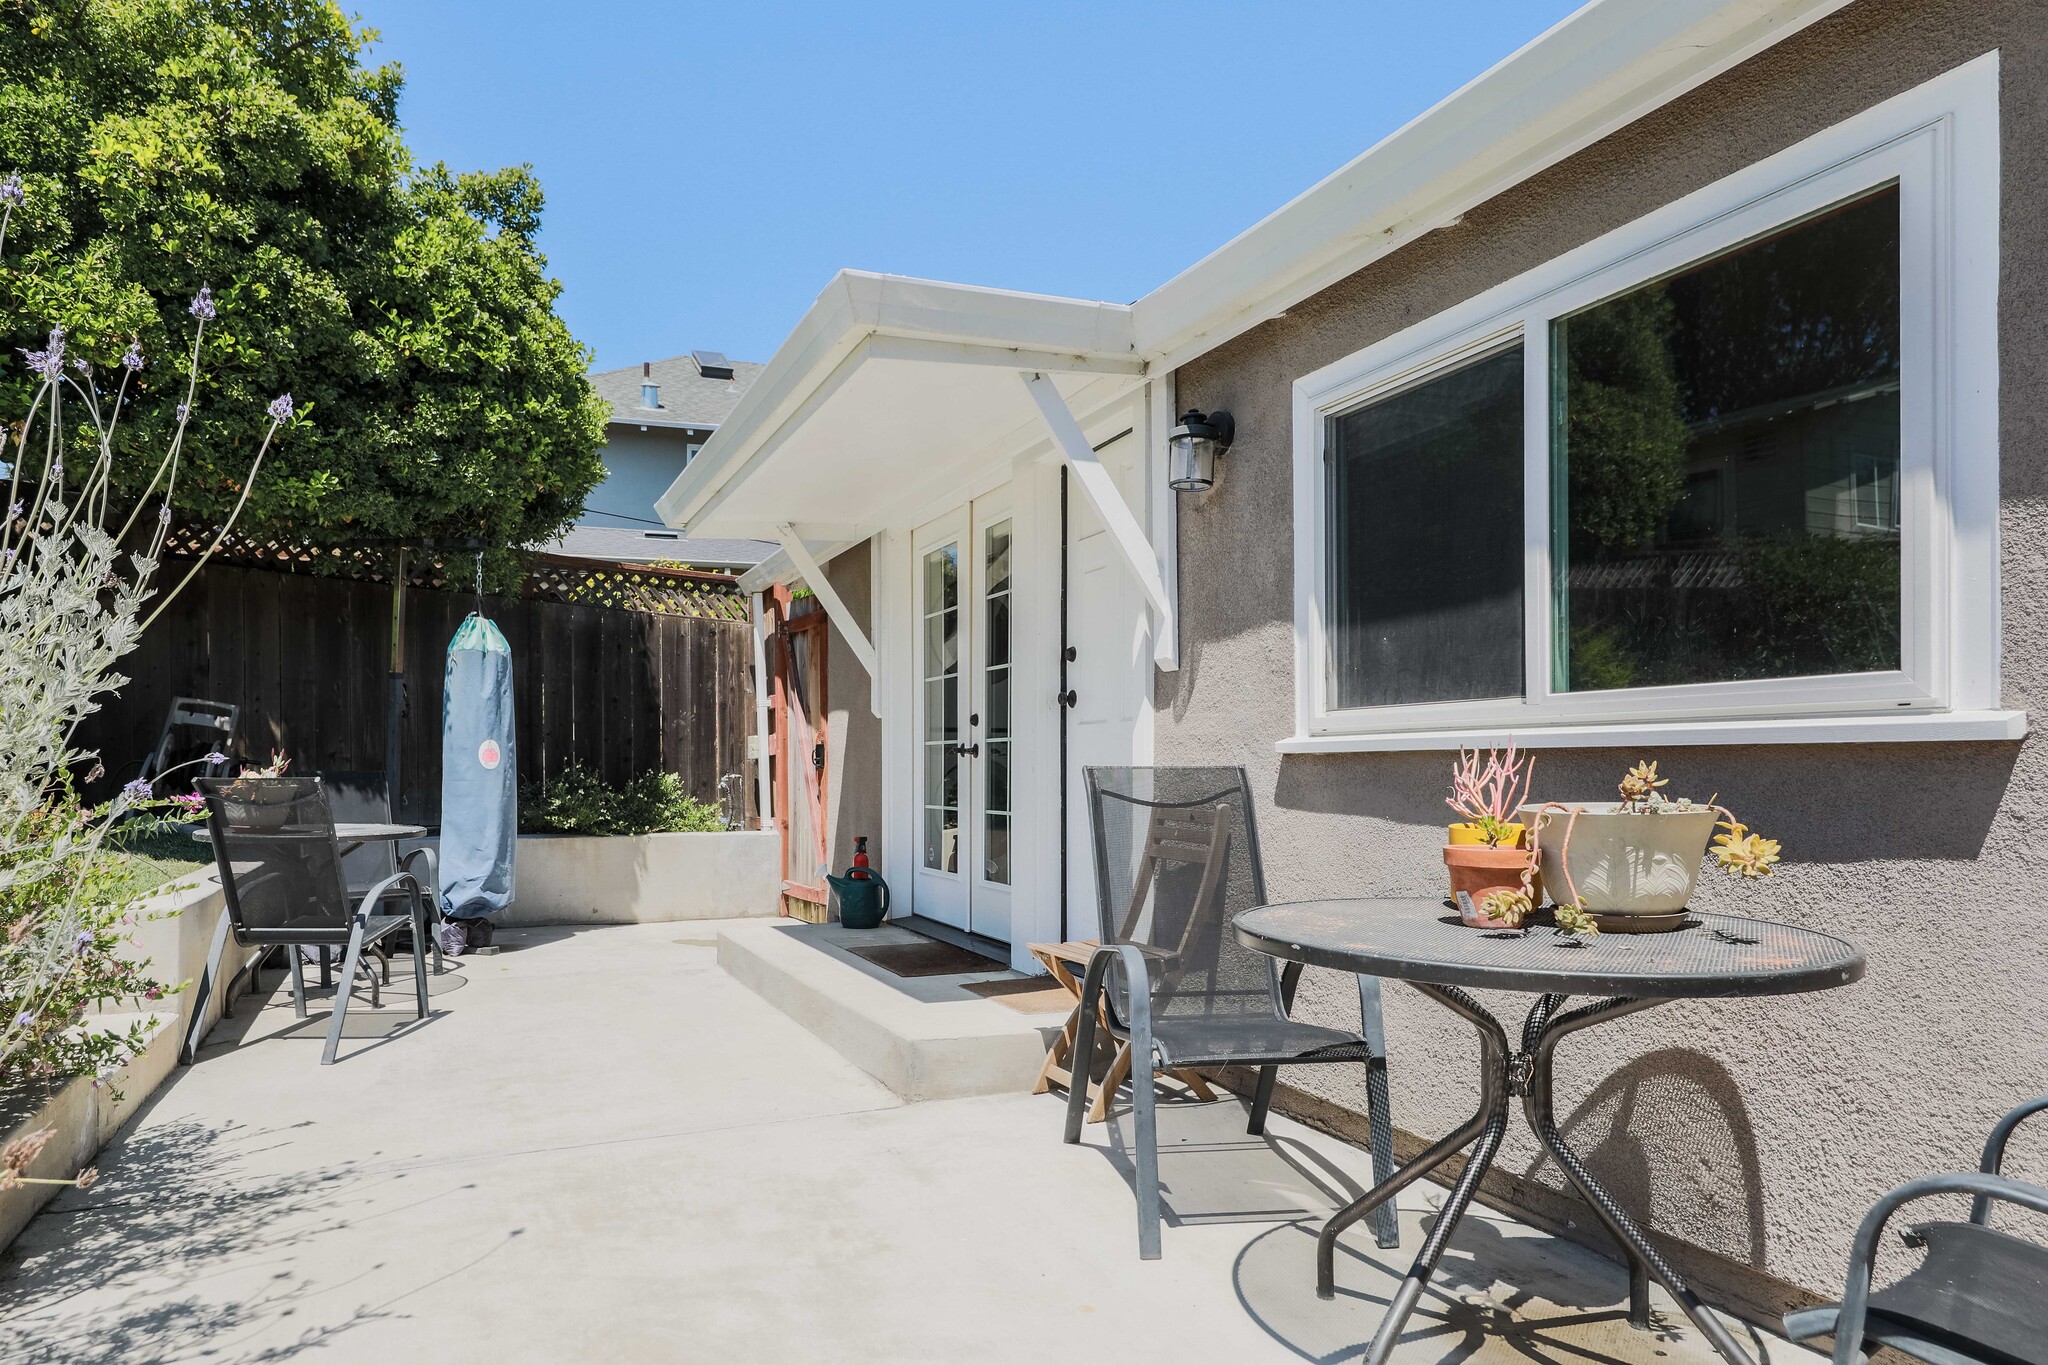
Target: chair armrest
{"x": 1994, "y": 1149}
{"x": 432, "y": 885}
{"x": 1139, "y": 974}
{"x": 376, "y": 893}
{"x": 1863, "y": 1254}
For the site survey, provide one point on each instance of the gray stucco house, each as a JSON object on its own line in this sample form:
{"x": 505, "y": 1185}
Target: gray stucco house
{"x": 1673, "y": 390}
{"x": 662, "y": 413}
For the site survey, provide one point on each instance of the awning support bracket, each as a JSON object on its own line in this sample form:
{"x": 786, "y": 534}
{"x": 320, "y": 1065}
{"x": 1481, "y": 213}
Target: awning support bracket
{"x": 835, "y": 607}
{"x": 1124, "y": 528}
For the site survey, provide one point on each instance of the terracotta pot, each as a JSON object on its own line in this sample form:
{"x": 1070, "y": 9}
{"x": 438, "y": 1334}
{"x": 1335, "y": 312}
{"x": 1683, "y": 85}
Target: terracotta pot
{"x": 1624, "y": 864}
{"x": 1477, "y": 869}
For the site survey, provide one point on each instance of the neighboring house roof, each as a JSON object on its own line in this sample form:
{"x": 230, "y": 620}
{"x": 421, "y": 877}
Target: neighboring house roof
{"x": 1600, "y": 69}
{"x": 624, "y": 545}
{"x": 688, "y": 398}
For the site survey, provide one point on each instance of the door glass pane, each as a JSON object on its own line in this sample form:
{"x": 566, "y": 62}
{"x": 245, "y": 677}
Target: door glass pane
{"x": 1725, "y": 448}
{"x": 1425, "y": 535}
{"x": 995, "y": 807}
{"x": 941, "y": 688}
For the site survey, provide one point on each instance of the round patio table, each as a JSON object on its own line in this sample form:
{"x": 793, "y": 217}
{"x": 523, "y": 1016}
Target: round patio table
{"x": 1424, "y": 943}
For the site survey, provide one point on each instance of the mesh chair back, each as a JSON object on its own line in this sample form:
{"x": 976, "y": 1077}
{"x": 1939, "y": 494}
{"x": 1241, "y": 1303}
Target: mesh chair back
{"x": 362, "y": 798}
{"x": 273, "y": 838}
{"x": 1176, "y": 856}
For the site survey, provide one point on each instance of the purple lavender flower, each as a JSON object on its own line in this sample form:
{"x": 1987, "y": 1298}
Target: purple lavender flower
{"x": 183, "y": 412}
{"x": 202, "y": 304}
{"x": 84, "y": 940}
{"x": 163, "y": 515}
{"x": 25, "y": 1018}
{"x": 14, "y": 511}
{"x": 49, "y": 363}
{"x": 216, "y": 756}
{"x": 11, "y": 192}
{"x": 57, "y": 470}
{"x": 138, "y": 790}
{"x": 132, "y": 357}
{"x": 280, "y": 408}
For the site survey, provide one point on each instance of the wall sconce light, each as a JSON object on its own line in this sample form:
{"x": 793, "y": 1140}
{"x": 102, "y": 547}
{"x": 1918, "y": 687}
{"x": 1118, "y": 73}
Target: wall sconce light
{"x": 1193, "y": 447}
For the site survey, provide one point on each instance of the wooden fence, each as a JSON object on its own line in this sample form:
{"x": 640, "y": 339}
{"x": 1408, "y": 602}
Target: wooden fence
{"x": 618, "y": 691}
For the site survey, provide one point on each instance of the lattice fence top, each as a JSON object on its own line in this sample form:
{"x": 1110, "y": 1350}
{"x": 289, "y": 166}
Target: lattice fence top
{"x": 637, "y": 587}
{"x": 550, "y": 578}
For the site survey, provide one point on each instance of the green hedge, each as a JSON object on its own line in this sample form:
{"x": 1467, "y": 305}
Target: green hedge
{"x": 579, "y": 802}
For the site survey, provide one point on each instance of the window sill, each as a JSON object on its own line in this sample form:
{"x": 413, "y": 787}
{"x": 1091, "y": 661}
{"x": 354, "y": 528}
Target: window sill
{"x": 1918, "y": 727}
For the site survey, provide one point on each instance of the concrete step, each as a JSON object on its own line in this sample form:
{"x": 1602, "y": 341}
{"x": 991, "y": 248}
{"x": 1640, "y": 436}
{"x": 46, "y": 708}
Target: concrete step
{"x": 926, "y": 1038}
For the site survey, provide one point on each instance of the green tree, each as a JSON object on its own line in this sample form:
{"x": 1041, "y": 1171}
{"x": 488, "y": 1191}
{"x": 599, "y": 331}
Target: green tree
{"x": 1625, "y": 431}
{"x": 243, "y": 145}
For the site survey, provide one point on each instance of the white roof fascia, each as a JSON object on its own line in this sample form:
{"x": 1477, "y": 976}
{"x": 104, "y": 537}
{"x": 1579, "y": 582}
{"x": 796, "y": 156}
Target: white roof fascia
{"x": 665, "y": 423}
{"x": 859, "y": 309}
{"x": 1601, "y": 68}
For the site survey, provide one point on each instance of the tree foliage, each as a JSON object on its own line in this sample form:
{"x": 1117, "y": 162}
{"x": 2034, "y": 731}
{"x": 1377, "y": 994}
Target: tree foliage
{"x": 243, "y": 144}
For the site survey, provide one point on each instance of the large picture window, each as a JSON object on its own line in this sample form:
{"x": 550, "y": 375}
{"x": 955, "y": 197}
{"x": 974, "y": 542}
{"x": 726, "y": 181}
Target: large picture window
{"x": 1727, "y": 474}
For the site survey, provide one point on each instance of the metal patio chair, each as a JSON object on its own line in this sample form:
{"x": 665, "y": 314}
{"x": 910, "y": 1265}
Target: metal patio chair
{"x": 1980, "y": 1296}
{"x": 281, "y": 872}
{"x": 366, "y": 797}
{"x": 1176, "y": 856}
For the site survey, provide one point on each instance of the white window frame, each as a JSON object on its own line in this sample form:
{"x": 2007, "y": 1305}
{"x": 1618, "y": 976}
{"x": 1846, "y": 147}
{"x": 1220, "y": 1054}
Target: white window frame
{"x": 1939, "y": 144}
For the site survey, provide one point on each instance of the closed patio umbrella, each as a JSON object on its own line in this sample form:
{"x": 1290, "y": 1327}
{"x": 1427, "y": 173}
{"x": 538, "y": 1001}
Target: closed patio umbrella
{"x": 479, "y": 773}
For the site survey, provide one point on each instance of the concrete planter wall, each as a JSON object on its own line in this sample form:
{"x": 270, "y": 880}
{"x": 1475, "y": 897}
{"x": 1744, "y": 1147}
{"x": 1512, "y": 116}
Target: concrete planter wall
{"x": 173, "y": 932}
{"x": 645, "y": 878}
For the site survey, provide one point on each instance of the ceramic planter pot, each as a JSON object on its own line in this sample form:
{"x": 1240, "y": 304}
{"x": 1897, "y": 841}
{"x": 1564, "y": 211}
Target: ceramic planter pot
{"x": 1477, "y": 869}
{"x": 1624, "y": 864}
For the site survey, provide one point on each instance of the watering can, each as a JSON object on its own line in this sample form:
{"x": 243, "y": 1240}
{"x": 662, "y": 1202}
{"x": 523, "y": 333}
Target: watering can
{"x": 863, "y": 895}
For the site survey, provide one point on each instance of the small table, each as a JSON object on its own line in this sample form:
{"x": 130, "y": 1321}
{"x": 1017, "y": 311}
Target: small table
{"x": 1424, "y": 943}
{"x": 349, "y": 834}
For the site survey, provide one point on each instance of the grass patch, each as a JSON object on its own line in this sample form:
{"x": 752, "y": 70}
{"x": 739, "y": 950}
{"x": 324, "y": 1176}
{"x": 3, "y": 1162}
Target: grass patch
{"x": 149, "y": 859}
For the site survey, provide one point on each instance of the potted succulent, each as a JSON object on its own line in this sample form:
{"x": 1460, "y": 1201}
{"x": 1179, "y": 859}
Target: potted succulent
{"x": 1632, "y": 864}
{"x": 268, "y": 809}
{"x": 1488, "y": 851}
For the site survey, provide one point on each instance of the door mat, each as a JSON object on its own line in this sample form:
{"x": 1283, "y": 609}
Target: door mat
{"x": 925, "y": 959}
{"x": 1029, "y": 995}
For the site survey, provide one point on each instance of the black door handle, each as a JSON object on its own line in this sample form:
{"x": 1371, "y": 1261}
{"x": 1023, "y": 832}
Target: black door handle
{"x": 968, "y": 750}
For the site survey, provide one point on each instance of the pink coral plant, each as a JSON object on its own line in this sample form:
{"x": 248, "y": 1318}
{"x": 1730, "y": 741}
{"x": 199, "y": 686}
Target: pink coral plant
{"x": 1488, "y": 794}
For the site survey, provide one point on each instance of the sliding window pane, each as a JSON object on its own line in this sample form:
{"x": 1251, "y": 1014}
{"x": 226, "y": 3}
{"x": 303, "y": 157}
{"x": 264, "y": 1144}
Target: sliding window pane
{"x": 1726, "y": 465}
{"x": 1425, "y": 535}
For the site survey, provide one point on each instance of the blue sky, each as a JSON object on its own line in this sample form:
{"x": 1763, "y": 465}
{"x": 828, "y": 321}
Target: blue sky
{"x": 708, "y": 167}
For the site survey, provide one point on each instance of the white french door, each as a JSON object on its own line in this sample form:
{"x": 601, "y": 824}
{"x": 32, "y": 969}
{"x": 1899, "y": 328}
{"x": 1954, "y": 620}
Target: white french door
{"x": 964, "y": 722}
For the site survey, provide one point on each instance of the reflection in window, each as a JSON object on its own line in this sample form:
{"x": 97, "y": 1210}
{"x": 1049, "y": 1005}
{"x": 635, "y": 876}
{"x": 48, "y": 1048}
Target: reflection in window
{"x": 941, "y": 682}
{"x": 1726, "y": 463}
{"x": 1425, "y": 537}
{"x": 996, "y": 674}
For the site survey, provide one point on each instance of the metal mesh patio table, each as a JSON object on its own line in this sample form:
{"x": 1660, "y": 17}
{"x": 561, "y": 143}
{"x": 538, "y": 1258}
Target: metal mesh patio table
{"x": 1424, "y": 943}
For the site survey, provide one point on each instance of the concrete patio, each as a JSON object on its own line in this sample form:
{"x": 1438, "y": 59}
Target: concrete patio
{"x": 602, "y": 1147}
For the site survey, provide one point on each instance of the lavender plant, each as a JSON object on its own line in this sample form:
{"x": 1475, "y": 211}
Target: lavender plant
{"x": 72, "y": 602}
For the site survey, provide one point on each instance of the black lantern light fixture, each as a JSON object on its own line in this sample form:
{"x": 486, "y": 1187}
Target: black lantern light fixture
{"x": 1193, "y": 447}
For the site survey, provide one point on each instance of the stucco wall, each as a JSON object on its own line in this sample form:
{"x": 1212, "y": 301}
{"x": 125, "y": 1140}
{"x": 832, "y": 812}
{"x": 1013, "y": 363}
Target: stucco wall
{"x": 639, "y": 467}
{"x": 1769, "y": 1127}
{"x": 853, "y": 785}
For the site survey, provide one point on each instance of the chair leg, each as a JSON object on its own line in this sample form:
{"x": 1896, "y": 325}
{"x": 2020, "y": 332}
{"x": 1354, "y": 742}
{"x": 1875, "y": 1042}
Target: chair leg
{"x": 349, "y": 963}
{"x": 1262, "y": 1098}
{"x": 1119, "y": 1071}
{"x": 1084, "y": 1046}
{"x": 201, "y": 996}
{"x": 326, "y": 968}
{"x": 298, "y": 981}
{"x": 419, "y": 955}
{"x": 1386, "y": 1226}
{"x": 1144, "y": 1106}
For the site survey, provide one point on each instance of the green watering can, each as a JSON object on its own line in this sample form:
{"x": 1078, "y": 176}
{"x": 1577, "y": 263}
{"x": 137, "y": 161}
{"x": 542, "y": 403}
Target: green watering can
{"x": 863, "y": 895}
{"x": 863, "y": 902}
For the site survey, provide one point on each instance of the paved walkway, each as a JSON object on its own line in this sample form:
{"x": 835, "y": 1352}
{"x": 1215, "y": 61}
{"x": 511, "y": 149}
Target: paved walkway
{"x": 601, "y": 1148}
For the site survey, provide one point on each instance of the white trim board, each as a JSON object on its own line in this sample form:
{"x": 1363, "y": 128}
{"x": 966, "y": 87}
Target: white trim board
{"x": 1939, "y": 143}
